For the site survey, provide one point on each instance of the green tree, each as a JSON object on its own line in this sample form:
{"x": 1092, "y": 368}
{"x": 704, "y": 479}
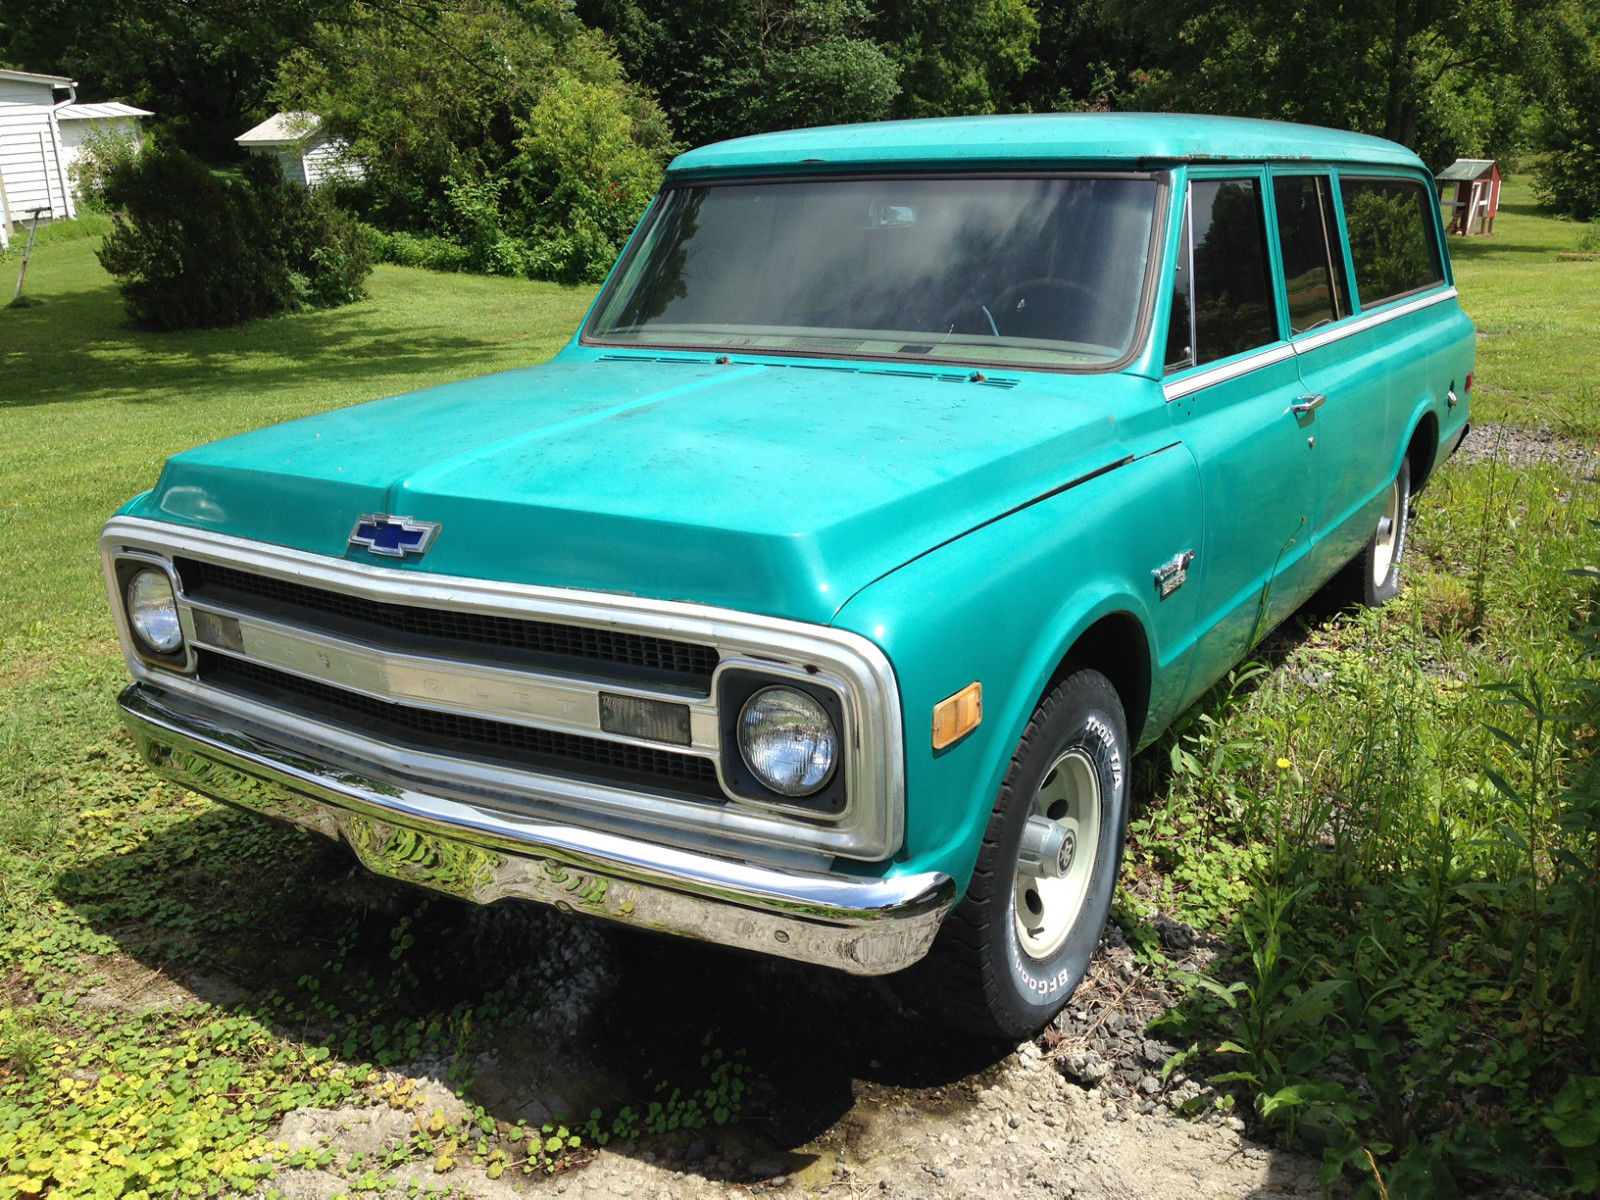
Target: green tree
{"x": 190, "y": 248}
{"x": 958, "y": 56}
{"x": 1082, "y": 59}
{"x": 456, "y": 117}
{"x": 1403, "y": 69}
{"x": 728, "y": 67}
{"x": 206, "y": 66}
{"x": 579, "y": 136}
{"x": 1568, "y": 125}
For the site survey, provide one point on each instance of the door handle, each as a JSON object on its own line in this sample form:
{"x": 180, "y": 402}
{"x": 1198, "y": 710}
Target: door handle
{"x": 1307, "y": 404}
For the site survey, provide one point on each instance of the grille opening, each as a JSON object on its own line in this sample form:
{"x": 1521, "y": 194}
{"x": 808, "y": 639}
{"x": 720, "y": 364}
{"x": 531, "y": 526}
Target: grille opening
{"x": 496, "y": 742}
{"x": 455, "y": 633}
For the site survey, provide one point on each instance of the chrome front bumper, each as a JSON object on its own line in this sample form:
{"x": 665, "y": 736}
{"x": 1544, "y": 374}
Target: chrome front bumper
{"x": 863, "y": 926}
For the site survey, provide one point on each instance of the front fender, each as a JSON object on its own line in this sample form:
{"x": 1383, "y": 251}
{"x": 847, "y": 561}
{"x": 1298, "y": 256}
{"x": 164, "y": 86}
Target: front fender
{"x": 1004, "y": 605}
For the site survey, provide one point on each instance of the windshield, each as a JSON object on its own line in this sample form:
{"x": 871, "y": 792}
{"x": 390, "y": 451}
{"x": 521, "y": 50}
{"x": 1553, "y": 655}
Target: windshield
{"x": 1006, "y": 269}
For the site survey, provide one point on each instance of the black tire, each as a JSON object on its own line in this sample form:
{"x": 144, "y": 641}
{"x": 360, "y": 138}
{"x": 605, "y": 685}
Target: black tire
{"x": 1372, "y": 578}
{"x": 989, "y": 972}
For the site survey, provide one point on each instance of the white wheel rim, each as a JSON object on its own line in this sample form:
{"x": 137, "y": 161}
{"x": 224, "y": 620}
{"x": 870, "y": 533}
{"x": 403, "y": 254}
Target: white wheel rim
{"x": 1045, "y": 907}
{"x": 1387, "y": 540}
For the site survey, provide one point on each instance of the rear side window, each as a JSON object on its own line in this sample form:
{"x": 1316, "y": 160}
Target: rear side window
{"x": 1391, "y": 237}
{"x": 1313, "y": 262}
{"x": 1222, "y": 294}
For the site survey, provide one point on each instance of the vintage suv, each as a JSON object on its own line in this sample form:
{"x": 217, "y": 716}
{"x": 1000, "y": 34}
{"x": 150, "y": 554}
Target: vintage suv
{"x": 903, "y": 480}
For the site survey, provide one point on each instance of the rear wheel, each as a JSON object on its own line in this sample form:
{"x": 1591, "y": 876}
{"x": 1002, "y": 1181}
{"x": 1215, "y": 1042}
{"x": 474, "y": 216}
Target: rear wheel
{"x": 1372, "y": 578}
{"x": 1021, "y": 939}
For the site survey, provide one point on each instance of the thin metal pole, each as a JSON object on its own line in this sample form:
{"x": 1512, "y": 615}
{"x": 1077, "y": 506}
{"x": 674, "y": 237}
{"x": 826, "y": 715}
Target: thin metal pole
{"x": 27, "y": 253}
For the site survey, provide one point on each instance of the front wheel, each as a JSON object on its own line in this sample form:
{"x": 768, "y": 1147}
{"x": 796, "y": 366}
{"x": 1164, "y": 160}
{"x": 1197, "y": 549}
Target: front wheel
{"x": 1021, "y": 939}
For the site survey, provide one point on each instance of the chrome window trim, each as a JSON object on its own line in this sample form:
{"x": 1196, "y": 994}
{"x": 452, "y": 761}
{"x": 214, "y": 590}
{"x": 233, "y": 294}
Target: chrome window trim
{"x": 1189, "y": 383}
{"x": 1351, "y": 326}
{"x": 1199, "y": 379}
{"x": 871, "y": 827}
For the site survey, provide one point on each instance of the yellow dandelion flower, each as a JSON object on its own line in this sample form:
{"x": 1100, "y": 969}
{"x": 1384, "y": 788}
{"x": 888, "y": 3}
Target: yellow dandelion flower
{"x": 1284, "y": 764}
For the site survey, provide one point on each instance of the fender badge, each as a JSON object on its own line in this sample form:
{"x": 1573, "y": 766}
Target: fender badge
{"x": 393, "y": 537}
{"x": 1171, "y": 575}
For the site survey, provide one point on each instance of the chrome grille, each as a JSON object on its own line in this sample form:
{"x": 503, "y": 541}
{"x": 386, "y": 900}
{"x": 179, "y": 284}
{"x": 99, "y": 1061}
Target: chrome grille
{"x": 593, "y": 759}
{"x": 449, "y": 631}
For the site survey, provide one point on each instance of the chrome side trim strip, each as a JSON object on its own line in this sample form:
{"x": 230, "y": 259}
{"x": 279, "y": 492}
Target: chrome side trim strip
{"x": 863, "y": 926}
{"x": 872, "y": 825}
{"x": 1326, "y": 337}
{"x": 1187, "y": 385}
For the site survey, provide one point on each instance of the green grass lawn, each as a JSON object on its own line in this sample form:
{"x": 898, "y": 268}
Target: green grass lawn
{"x": 1538, "y": 319}
{"x": 1336, "y": 813}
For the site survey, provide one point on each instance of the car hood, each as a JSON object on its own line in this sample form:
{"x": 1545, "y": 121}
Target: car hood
{"x": 775, "y": 488}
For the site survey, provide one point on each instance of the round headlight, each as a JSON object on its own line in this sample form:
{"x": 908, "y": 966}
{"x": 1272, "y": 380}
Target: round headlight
{"x": 788, "y": 741}
{"x": 153, "y": 611}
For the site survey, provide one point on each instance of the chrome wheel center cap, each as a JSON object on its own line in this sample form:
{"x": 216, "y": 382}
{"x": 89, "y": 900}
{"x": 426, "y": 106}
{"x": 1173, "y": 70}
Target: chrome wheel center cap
{"x": 1065, "y": 853}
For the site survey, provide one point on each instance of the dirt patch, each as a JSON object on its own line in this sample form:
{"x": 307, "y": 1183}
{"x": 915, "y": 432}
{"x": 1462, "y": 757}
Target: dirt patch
{"x": 1082, "y": 1112}
{"x": 1028, "y": 1131}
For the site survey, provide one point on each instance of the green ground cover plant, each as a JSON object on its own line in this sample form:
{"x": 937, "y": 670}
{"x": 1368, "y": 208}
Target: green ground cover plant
{"x": 1392, "y": 817}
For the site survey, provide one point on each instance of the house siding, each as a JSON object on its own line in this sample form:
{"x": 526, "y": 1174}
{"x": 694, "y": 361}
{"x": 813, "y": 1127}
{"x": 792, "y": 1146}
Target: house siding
{"x": 32, "y": 163}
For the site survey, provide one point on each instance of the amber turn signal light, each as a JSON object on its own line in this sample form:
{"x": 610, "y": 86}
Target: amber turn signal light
{"x": 956, "y": 716}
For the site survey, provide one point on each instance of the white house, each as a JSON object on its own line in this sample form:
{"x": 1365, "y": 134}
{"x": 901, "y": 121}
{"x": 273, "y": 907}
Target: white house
{"x": 42, "y": 128}
{"x": 306, "y": 155}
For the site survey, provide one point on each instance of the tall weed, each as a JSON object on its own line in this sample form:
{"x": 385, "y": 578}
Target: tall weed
{"x": 1415, "y": 801}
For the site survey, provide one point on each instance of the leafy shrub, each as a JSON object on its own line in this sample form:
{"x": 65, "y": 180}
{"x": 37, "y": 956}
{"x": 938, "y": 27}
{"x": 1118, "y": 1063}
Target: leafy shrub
{"x": 417, "y": 250}
{"x": 479, "y": 225}
{"x": 102, "y": 152}
{"x": 603, "y": 160}
{"x": 191, "y": 249}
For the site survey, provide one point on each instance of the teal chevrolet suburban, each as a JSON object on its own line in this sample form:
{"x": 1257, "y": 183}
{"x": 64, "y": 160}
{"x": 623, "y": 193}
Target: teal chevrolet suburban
{"x": 902, "y": 482}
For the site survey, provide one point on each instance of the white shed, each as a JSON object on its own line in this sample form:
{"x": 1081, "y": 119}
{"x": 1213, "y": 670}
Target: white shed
{"x": 42, "y": 129}
{"x": 306, "y": 155}
{"x": 33, "y": 163}
{"x": 80, "y": 122}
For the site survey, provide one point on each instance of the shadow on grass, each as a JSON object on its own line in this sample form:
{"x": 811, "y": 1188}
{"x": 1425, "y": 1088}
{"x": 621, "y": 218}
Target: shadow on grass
{"x": 531, "y": 1013}
{"x": 1473, "y": 249}
{"x": 80, "y": 346}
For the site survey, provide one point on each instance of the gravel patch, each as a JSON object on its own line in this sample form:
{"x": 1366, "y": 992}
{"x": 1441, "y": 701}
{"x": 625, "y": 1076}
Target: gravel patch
{"x": 1523, "y": 448}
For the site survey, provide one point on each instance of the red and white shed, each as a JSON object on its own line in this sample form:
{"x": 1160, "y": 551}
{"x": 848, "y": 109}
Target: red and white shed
{"x": 1477, "y": 194}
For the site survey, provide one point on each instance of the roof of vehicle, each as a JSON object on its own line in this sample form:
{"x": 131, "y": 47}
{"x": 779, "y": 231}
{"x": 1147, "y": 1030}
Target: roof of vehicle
{"x": 1124, "y": 138}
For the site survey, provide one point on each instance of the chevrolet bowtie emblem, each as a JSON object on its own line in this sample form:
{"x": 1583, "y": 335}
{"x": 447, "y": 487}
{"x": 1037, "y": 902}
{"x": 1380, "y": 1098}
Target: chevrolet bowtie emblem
{"x": 393, "y": 537}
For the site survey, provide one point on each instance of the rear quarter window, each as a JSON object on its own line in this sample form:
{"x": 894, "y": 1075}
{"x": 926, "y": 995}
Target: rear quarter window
{"x": 1392, "y": 243}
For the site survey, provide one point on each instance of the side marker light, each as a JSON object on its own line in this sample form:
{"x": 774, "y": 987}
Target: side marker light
{"x": 956, "y": 716}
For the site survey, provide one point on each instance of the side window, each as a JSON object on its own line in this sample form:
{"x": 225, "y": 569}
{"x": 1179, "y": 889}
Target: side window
{"x": 1180, "y": 327}
{"x": 1222, "y": 294}
{"x": 1313, "y": 261}
{"x": 1391, "y": 237}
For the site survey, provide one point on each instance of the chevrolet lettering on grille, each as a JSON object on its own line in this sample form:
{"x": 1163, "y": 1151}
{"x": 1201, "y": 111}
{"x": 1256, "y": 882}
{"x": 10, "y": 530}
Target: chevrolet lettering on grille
{"x": 393, "y": 537}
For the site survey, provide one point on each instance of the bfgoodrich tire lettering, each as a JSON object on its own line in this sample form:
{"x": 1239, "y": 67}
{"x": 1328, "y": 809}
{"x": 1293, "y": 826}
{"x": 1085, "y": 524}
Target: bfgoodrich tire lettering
{"x": 1021, "y": 939}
